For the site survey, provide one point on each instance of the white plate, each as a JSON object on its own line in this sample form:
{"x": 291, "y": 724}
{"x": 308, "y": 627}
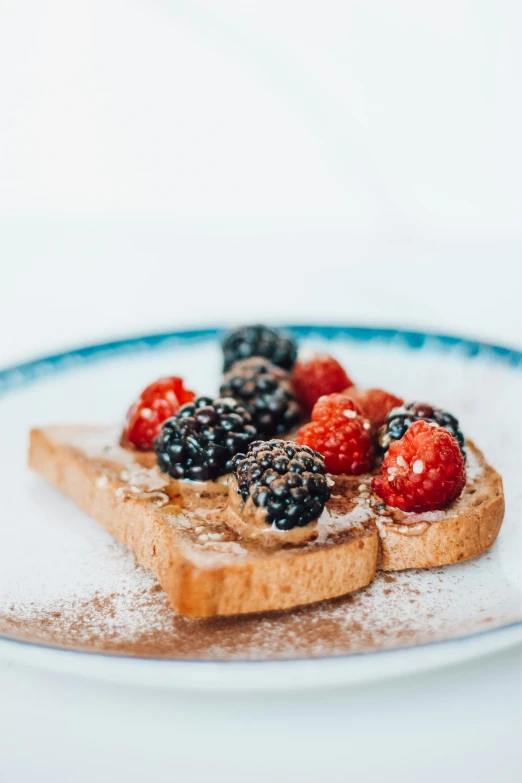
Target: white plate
{"x": 63, "y": 581}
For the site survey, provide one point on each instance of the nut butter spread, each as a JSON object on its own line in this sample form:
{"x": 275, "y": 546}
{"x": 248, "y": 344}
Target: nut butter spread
{"x": 214, "y": 516}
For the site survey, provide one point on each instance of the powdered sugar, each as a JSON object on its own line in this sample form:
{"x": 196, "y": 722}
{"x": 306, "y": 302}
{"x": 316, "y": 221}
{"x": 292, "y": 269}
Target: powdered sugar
{"x": 330, "y": 524}
{"x": 474, "y": 466}
{"x": 426, "y": 516}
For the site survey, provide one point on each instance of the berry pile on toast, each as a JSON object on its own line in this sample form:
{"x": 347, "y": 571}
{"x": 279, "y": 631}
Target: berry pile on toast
{"x": 293, "y": 486}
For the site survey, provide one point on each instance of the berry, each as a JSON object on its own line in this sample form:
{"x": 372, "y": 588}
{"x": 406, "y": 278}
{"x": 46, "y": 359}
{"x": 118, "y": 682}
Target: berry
{"x": 400, "y": 419}
{"x": 199, "y": 441}
{"x": 265, "y": 391}
{"x": 286, "y": 479}
{"x": 423, "y": 471}
{"x": 334, "y": 406}
{"x": 155, "y": 404}
{"x": 375, "y": 404}
{"x": 317, "y": 376}
{"x": 340, "y": 434}
{"x": 259, "y": 340}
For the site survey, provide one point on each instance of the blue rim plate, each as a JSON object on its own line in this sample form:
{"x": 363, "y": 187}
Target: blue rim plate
{"x": 355, "y": 667}
{"x": 21, "y": 374}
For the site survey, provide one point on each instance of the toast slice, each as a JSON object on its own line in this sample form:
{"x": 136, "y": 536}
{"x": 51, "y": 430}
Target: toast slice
{"x": 180, "y": 531}
{"x": 205, "y": 568}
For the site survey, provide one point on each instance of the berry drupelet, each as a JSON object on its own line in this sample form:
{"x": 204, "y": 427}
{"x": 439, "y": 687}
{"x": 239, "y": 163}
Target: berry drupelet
{"x": 265, "y": 391}
{"x": 399, "y": 420}
{"x": 259, "y": 340}
{"x": 286, "y": 480}
{"x": 199, "y": 441}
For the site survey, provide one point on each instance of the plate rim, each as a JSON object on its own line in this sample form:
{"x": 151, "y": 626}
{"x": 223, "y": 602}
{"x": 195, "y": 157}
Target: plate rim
{"x": 16, "y": 376}
{"x": 277, "y": 675}
{"x": 20, "y": 374}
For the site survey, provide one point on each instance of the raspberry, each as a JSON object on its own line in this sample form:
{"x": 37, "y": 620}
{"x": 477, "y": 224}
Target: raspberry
{"x": 340, "y": 434}
{"x": 287, "y": 480}
{"x": 156, "y": 403}
{"x": 375, "y": 404}
{"x": 333, "y": 406}
{"x": 320, "y": 375}
{"x": 423, "y": 471}
{"x": 259, "y": 340}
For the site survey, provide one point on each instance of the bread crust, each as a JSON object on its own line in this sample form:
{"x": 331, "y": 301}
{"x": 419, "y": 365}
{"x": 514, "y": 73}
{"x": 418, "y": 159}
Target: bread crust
{"x": 268, "y": 580}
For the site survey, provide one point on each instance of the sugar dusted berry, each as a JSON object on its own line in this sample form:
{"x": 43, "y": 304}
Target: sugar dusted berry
{"x": 375, "y": 404}
{"x": 423, "y": 471}
{"x": 199, "y": 442}
{"x": 284, "y": 479}
{"x": 333, "y": 406}
{"x": 259, "y": 340}
{"x": 346, "y": 448}
{"x": 156, "y": 403}
{"x": 317, "y": 376}
{"x": 340, "y": 434}
{"x": 265, "y": 391}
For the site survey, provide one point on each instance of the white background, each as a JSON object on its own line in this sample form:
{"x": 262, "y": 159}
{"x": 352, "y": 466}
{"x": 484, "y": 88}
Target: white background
{"x": 170, "y": 163}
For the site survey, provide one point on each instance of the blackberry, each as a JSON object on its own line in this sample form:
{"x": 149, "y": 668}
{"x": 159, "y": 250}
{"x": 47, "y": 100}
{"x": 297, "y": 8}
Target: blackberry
{"x": 199, "y": 441}
{"x": 399, "y": 420}
{"x": 259, "y": 340}
{"x": 286, "y": 479}
{"x": 266, "y": 392}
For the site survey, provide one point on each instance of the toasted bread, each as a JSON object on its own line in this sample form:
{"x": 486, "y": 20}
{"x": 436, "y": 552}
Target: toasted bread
{"x": 208, "y": 568}
{"x": 204, "y": 569}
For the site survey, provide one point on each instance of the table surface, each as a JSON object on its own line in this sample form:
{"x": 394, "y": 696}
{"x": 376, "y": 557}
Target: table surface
{"x": 85, "y": 282}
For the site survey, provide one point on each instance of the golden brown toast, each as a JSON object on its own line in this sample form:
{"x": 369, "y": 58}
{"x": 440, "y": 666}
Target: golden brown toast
{"x": 207, "y": 567}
